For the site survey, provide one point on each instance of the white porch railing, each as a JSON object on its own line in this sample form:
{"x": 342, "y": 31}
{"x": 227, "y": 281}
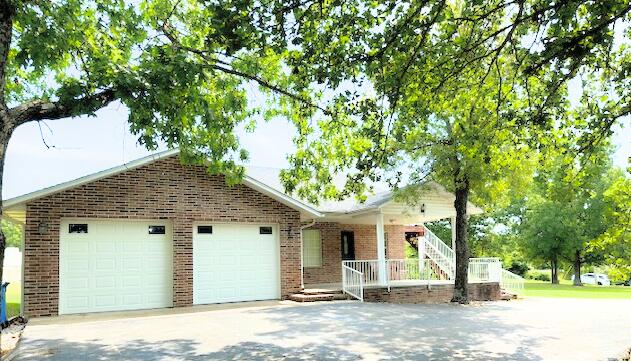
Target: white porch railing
{"x": 436, "y": 262}
{"x": 353, "y": 282}
{"x": 487, "y": 269}
{"x": 412, "y": 269}
{"x": 511, "y": 282}
{"x": 368, "y": 268}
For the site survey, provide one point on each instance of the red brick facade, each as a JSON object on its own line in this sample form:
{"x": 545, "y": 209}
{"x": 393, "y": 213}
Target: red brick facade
{"x": 433, "y": 294}
{"x": 365, "y": 247}
{"x": 164, "y": 189}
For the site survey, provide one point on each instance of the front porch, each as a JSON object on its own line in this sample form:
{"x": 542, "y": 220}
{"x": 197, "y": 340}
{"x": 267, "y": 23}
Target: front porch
{"x": 366, "y": 249}
{"x": 426, "y": 276}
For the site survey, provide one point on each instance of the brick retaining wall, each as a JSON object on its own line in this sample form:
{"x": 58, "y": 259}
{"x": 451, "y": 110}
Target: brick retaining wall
{"x": 435, "y": 293}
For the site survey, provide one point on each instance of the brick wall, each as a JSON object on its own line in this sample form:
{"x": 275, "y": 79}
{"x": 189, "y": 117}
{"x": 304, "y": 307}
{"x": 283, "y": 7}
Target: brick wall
{"x": 164, "y": 189}
{"x": 435, "y": 294}
{"x": 365, "y": 248}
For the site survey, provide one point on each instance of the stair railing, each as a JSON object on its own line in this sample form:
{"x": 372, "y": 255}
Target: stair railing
{"x": 353, "y": 282}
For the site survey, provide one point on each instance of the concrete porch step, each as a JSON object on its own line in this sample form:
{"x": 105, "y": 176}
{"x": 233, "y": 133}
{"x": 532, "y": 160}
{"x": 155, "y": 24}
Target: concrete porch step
{"x": 506, "y": 296}
{"x": 316, "y": 295}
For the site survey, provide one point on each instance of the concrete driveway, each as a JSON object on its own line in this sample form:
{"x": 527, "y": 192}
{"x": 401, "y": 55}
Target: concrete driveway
{"x": 531, "y": 329}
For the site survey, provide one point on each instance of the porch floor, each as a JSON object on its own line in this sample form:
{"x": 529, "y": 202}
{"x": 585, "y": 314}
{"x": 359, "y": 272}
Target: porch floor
{"x": 332, "y": 287}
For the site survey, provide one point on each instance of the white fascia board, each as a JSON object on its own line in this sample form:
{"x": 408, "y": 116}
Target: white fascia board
{"x": 87, "y": 179}
{"x": 280, "y": 196}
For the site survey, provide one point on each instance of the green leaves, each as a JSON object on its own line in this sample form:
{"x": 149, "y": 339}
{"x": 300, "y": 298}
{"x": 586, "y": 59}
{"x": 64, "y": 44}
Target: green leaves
{"x": 183, "y": 68}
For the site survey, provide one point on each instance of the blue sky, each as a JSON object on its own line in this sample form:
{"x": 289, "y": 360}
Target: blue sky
{"x": 89, "y": 144}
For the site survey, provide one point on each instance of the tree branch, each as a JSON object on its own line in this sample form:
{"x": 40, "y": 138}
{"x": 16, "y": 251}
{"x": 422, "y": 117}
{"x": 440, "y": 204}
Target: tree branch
{"x": 212, "y": 63}
{"x": 40, "y": 109}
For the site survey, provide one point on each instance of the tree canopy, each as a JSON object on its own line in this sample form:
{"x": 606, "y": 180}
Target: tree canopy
{"x": 392, "y": 91}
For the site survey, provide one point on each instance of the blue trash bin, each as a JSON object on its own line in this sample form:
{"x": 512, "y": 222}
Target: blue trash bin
{"x": 3, "y": 304}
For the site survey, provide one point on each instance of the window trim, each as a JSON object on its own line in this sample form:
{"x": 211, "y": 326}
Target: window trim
{"x": 304, "y": 249}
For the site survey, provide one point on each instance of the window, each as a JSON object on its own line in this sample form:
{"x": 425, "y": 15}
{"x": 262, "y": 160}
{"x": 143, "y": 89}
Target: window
{"x": 311, "y": 248}
{"x": 265, "y": 230}
{"x": 157, "y": 229}
{"x": 77, "y": 228}
{"x": 205, "y": 229}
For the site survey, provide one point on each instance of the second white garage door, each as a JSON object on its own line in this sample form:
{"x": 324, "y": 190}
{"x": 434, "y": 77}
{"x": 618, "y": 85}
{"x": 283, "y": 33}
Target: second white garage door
{"x": 235, "y": 262}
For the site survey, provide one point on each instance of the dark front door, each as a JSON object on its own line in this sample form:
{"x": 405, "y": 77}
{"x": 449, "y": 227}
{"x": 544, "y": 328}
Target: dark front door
{"x": 348, "y": 245}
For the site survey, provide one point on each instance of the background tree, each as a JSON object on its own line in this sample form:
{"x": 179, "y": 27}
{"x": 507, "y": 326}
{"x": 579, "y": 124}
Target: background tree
{"x": 12, "y": 233}
{"x": 565, "y": 211}
{"x": 615, "y": 242}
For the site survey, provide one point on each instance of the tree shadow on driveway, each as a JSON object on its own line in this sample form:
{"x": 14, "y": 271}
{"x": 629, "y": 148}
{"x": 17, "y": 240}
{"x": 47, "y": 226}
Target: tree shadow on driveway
{"x": 179, "y": 350}
{"x": 412, "y": 332}
{"x": 322, "y": 331}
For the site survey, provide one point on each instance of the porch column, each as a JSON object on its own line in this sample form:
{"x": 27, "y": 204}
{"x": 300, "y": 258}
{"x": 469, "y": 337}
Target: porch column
{"x": 381, "y": 250}
{"x": 420, "y": 244}
{"x": 453, "y": 233}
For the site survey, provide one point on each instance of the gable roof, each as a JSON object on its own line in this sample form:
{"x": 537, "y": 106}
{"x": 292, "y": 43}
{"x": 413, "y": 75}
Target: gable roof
{"x": 247, "y": 180}
{"x": 262, "y": 179}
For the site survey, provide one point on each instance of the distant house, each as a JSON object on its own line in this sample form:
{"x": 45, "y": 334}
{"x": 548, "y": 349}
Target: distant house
{"x": 155, "y": 233}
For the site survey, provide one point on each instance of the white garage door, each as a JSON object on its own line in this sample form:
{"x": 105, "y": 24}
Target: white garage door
{"x": 235, "y": 262}
{"x": 111, "y": 265}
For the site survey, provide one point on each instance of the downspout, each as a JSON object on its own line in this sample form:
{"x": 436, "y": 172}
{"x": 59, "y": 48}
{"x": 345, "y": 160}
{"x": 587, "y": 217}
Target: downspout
{"x": 302, "y": 261}
{"x": 23, "y": 249}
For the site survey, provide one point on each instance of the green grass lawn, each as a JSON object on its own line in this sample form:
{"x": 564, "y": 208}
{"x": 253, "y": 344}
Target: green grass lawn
{"x": 566, "y": 290}
{"x": 14, "y": 296}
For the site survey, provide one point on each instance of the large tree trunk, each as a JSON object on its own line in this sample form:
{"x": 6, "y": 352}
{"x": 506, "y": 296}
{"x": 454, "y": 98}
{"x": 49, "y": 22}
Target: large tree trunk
{"x": 461, "y": 294}
{"x": 577, "y": 269}
{"x": 6, "y": 123}
{"x": 555, "y": 271}
{"x": 4, "y": 140}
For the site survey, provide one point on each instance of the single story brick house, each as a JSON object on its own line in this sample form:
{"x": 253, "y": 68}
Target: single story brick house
{"x": 155, "y": 233}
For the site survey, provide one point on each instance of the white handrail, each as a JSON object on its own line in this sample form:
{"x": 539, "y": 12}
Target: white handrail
{"x": 439, "y": 252}
{"x": 511, "y": 282}
{"x": 368, "y": 268}
{"x": 353, "y": 282}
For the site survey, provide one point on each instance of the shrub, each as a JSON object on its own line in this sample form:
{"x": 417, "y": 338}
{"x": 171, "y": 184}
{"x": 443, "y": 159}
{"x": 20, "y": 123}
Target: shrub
{"x": 542, "y": 277}
{"x": 519, "y": 267}
{"x": 538, "y": 275}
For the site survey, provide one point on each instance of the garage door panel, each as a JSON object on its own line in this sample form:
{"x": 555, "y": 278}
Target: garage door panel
{"x": 105, "y": 300}
{"x": 131, "y": 264}
{"x": 132, "y": 299}
{"x": 131, "y": 281}
{"x": 78, "y": 283}
{"x": 235, "y": 263}
{"x": 105, "y": 264}
{"x": 132, "y": 246}
{"x": 78, "y": 302}
{"x": 77, "y": 265}
{"x": 116, "y": 265}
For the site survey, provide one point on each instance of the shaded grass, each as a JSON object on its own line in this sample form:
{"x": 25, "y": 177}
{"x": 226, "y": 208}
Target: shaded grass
{"x": 13, "y": 309}
{"x": 14, "y": 298}
{"x": 567, "y": 290}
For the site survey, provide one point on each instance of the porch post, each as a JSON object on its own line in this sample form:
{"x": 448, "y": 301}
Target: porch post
{"x": 453, "y": 233}
{"x": 381, "y": 250}
{"x": 420, "y": 243}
